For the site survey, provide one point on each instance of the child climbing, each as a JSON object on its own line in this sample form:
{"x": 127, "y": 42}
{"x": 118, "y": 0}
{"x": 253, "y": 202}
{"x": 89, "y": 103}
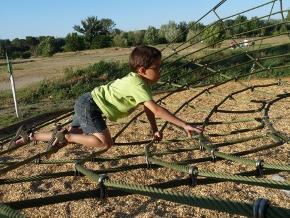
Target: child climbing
{"x": 115, "y": 100}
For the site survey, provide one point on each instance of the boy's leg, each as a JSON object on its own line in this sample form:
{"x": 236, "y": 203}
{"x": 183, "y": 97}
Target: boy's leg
{"x": 92, "y": 141}
{"x": 23, "y": 134}
{"x": 75, "y": 130}
{"x": 45, "y": 137}
{"x": 75, "y": 125}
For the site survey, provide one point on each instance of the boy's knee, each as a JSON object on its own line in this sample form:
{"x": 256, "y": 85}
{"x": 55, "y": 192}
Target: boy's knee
{"x": 108, "y": 145}
{"x": 68, "y": 137}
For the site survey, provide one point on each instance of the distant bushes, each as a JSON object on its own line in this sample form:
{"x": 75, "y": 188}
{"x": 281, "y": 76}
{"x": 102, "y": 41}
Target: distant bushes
{"x": 74, "y": 42}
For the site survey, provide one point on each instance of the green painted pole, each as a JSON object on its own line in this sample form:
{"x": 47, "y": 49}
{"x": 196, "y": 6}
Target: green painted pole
{"x": 10, "y": 72}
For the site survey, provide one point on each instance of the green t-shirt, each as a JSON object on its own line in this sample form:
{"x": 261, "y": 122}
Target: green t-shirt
{"x": 119, "y": 98}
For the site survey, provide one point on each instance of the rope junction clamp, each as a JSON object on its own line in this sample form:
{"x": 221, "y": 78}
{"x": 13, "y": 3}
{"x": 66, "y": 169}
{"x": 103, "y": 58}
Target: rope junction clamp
{"x": 147, "y": 161}
{"x": 206, "y": 120}
{"x": 231, "y": 97}
{"x": 193, "y": 172}
{"x": 92, "y": 159}
{"x": 207, "y": 91}
{"x": 260, "y": 207}
{"x": 76, "y": 172}
{"x": 146, "y": 152}
{"x": 102, "y": 187}
{"x": 201, "y": 147}
{"x": 38, "y": 159}
{"x": 215, "y": 108}
{"x": 259, "y": 167}
{"x": 212, "y": 154}
{"x": 202, "y": 140}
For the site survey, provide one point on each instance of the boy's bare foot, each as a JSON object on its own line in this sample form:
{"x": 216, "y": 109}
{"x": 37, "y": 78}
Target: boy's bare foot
{"x": 22, "y": 137}
{"x": 58, "y": 141}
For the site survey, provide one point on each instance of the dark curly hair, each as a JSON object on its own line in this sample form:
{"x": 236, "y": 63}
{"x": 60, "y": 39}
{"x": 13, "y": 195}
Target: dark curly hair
{"x": 143, "y": 56}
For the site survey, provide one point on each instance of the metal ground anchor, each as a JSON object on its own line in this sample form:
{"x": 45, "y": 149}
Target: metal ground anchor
{"x": 259, "y": 167}
{"x": 212, "y": 152}
{"x": 260, "y": 208}
{"x": 193, "y": 172}
{"x": 102, "y": 187}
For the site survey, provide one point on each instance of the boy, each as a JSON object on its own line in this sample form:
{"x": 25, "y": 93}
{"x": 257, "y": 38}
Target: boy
{"x": 115, "y": 100}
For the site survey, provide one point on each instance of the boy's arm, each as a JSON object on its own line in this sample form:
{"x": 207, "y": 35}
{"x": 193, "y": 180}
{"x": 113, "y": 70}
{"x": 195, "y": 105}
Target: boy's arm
{"x": 163, "y": 113}
{"x": 151, "y": 119}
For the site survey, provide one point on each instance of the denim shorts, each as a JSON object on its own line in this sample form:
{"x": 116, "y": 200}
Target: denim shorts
{"x": 88, "y": 115}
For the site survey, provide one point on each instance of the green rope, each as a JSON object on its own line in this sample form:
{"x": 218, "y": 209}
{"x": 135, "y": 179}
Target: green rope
{"x": 23, "y": 162}
{"x": 224, "y": 176}
{"x": 6, "y": 211}
{"x": 205, "y": 143}
{"x": 105, "y": 159}
{"x": 244, "y": 209}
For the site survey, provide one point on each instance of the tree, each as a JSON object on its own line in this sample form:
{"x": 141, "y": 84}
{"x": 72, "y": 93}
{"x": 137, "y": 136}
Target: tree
{"x": 288, "y": 19}
{"x": 193, "y": 32}
{"x": 18, "y": 46}
{"x": 135, "y": 37}
{"x": 240, "y": 28}
{"x": 161, "y": 34}
{"x": 151, "y": 36}
{"x": 32, "y": 42}
{"x": 74, "y": 42}
{"x": 5, "y": 46}
{"x": 2, "y": 50}
{"x": 129, "y": 38}
{"x": 101, "y": 41}
{"x": 59, "y": 44}
{"x": 120, "y": 40}
{"x": 283, "y": 29}
{"x": 171, "y": 32}
{"x": 213, "y": 35}
{"x": 253, "y": 25}
{"x": 116, "y": 31}
{"x": 183, "y": 28}
{"x": 91, "y": 27}
{"x": 46, "y": 47}
{"x": 193, "y": 36}
{"x": 139, "y": 37}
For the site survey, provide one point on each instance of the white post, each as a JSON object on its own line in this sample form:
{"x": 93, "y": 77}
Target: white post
{"x": 9, "y": 68}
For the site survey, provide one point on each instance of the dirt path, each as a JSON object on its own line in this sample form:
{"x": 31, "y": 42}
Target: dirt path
{"x": 38, "y": 69}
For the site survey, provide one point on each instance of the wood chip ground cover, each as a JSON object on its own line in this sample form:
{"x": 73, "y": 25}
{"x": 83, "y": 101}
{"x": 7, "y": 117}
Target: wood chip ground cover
{"x": 142, "y": 206}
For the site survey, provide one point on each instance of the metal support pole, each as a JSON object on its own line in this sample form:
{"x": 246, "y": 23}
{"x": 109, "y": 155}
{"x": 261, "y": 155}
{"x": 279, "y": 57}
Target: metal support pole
{"x": 9, "y": 69}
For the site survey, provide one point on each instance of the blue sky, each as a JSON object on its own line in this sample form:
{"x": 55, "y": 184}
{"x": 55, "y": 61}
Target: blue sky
{"x": 20, "y": 18}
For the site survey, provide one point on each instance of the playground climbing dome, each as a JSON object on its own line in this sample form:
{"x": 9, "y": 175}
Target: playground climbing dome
{"x": 239, "y": 166}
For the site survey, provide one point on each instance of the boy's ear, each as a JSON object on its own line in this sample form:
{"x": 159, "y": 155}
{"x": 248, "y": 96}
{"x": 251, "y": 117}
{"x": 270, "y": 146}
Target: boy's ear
{"x": 142, "y": 70}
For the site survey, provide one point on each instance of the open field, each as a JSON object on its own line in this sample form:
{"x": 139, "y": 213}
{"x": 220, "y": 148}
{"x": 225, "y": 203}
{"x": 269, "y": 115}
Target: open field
{"x": 141, "y": 206}
{"x": 38, "y": 69}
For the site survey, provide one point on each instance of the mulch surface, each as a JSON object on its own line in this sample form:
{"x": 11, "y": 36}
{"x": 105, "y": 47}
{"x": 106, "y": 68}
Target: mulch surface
{"x": 142, "y": 206}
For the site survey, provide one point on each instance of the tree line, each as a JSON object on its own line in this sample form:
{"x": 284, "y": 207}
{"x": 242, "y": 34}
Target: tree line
{"x": 94, "y": 33}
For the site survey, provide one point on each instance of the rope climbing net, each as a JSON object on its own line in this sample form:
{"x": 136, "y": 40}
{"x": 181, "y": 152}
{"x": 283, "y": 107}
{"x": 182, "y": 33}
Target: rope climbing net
{"x": 229, "y": 168}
